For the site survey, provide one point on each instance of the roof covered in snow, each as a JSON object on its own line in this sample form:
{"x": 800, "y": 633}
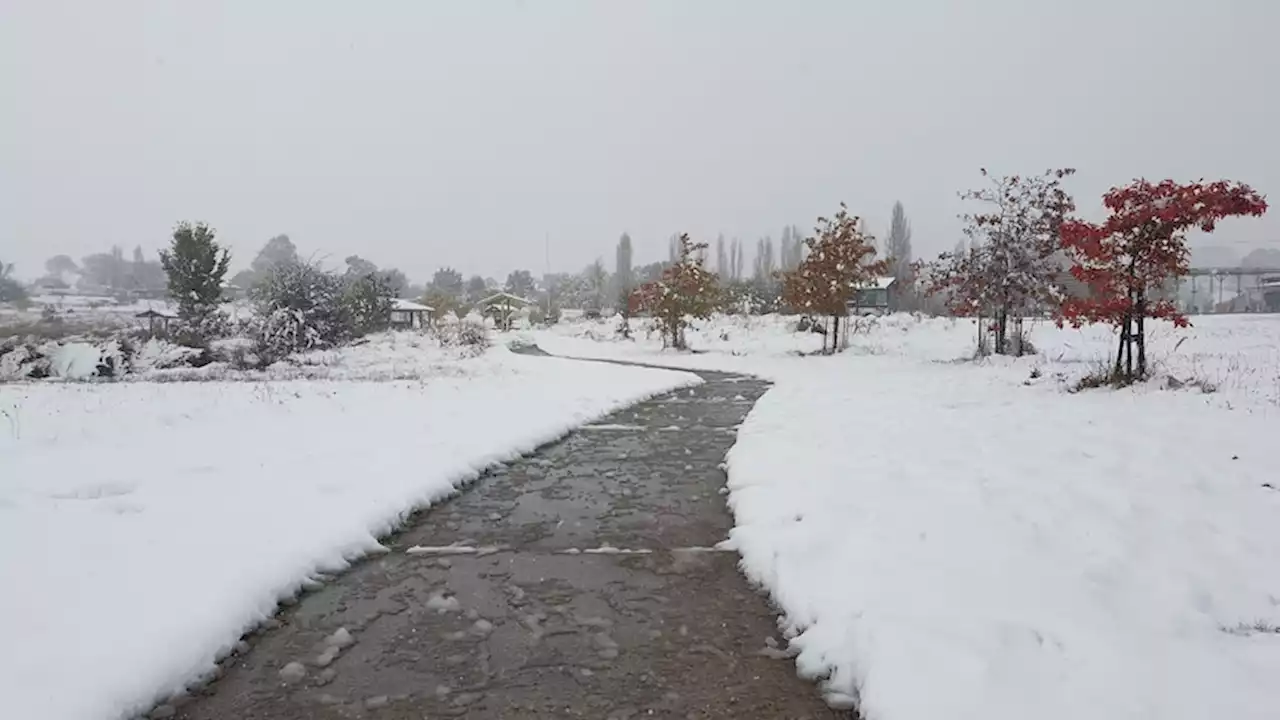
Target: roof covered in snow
{"x": 882, "y": 283}
{"x": 507, "y": 297}
{"x": 402, "y": 305}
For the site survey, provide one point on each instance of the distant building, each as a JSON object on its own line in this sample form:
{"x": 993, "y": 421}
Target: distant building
{"x": 409, "y": 315}
{"x": 877, "y": 297}
{"x": 1269, "y": 289}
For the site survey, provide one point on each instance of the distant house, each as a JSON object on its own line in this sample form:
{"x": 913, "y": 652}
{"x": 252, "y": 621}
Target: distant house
{"x": 409, "y": 315}
{"x": 874, "y": 298}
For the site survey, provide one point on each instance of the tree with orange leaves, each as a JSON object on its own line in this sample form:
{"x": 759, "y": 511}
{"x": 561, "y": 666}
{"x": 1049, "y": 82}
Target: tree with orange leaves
{"x": 685, "y": 289}
{"x": 841, "y": 259}
{"x": 1129, "y": 258}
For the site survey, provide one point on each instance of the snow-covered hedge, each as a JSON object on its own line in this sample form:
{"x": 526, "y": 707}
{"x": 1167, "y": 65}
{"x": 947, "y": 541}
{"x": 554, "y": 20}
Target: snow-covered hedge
{"x": 381, "y": 356}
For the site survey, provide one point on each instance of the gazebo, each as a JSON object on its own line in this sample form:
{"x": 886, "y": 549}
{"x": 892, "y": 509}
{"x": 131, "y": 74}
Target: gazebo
{"x": 156, "y": 319}
{"x": 502, "y": 307}
{"x": 409, "y": 315}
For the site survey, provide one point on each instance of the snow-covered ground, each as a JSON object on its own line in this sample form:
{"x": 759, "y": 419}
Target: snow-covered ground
{"x": 100, "y": 313}
{"x": 145, "y": 526}
{"x": 402, "y": 355}
{"x": 972, "y": 540}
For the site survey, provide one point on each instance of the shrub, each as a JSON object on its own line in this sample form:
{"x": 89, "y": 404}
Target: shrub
{"x": 463, "y": 334}
{"x": 298, "y": 307}
{"x": 366, "y": 303}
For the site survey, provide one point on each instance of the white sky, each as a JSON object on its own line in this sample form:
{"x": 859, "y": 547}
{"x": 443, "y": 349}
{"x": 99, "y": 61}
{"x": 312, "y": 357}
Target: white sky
{"x": 420, "y": 133}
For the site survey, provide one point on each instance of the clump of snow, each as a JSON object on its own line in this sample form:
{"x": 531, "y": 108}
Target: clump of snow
{"x": 144, "y": 527}
{"x": 976, "y": 539}
{"x": 75, "y": 361}
{"x": 341, "y": 639}
{"x": 293, "y": 672}
{"x": 442, "y": 603}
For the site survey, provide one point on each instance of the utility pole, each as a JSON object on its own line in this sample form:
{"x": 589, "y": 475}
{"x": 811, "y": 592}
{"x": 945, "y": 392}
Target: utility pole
{"x": 546, "y": 270}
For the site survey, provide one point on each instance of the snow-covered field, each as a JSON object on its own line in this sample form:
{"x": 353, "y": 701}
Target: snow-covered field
{"x": 972, "y": 540}
{"x": 100, "y": 313}
{"x": 145, "y": 526}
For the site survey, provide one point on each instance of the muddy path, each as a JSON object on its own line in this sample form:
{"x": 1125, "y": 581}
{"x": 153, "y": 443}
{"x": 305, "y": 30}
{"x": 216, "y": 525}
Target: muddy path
{"x": 580, "y": 582}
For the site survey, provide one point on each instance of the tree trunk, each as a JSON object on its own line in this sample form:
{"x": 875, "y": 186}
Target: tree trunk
{"x": 1124, "y": 339}
{"x": 1141, "y": 333}
{"x": 1002, "y": 329}
{"x": 1128, "y": 348}
{"x": 835, "y": 335}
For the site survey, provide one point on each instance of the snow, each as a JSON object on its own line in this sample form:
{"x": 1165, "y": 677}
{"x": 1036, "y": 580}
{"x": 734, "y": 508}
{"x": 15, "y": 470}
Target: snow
{"x": 402, "y": 355}
{"x": 144, "y": 527}
{"x": 75, "y": 361}
{"x": 961, "y": 539}
{"x": 408, "y": 305}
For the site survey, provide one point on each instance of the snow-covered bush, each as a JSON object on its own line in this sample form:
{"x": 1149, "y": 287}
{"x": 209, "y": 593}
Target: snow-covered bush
{"x": 199, "y": 330}
{"x": 463, "y": 334}
{"x": 21, "y": 360}
{"x": 300, "y": 307}
{"x": 366, "y": 303}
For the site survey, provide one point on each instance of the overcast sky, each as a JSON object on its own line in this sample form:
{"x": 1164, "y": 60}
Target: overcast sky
{"x": 421, "y": 134}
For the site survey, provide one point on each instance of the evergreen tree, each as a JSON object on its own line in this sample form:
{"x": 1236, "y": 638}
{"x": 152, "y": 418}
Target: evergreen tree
{"x": 623, "y": 275}
{"x": 898, "y": 244}
{"x": 195, "y": 265}
{"x": 898, "y": 250}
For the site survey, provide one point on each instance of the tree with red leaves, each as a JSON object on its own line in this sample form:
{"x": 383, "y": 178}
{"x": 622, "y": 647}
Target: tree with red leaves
{"x": 1142, "y": 245}
{"x": 841, "y": 259}
{"x": 1011, "y": 265}
{"x": 685, "y": 289}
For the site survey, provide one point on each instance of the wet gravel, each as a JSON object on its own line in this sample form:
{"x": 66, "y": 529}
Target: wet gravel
{"x": 580, "y": 582}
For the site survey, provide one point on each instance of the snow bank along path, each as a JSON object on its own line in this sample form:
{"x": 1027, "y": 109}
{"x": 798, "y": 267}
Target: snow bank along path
{"x": 145, "y": 527}
{"x": 946, "y": 540}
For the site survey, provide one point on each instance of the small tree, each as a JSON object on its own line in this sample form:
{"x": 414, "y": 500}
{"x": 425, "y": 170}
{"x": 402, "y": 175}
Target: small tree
{"x": 195, "y": 265}
{"x": 10, "y": 289}
{"x": 624, "y": 315}
{"x": 1012, "y": 265}
{"x": 841, "y": 259}
{"x": 686, "y": 289}
{"x": 1128, "y": 259}
{"x": 366, "y": 302}
{"x": 443, "y": 303}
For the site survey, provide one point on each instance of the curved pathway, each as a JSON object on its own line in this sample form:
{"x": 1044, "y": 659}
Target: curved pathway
{"x": 579, "y": 582}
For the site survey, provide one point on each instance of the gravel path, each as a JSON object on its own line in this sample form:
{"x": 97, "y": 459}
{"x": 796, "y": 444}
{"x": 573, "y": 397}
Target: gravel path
{"x": 580, "y": 582}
